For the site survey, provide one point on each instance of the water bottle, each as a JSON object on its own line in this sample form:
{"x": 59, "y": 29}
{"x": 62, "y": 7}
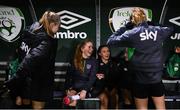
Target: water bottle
{"x": 68, "y": 99}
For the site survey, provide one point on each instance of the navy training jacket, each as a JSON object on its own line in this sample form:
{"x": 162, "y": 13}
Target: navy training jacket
{"x": 147, "y": 41}
{"x": 82, "y": 81}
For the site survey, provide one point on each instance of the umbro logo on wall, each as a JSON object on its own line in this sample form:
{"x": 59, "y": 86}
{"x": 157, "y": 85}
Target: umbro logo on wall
{"x": 175, "y": 20}
{"x": 70, "y": 20}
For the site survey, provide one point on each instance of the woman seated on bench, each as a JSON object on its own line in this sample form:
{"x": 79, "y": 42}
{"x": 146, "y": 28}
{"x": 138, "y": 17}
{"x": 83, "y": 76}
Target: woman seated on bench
{"x": 105, "y": 87}
{"x": 82, "y": 73}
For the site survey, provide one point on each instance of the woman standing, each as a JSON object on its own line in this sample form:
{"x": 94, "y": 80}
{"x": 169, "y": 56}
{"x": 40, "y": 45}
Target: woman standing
{"x": 42, "y": 60}
{"x": 38, "y": 64}
{"x": 147, "y": 62}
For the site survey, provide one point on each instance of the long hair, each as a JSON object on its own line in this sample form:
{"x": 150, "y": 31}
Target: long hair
{"x": 138, "y": 16}
{"x": 47, "y": 18}
{"x": 78, "y": 58}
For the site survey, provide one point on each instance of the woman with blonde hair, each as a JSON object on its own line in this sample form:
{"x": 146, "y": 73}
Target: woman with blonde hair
{"x": 138, "y": 16}
{"x": 147, "y": 62}
{"x": 39, "y": 61}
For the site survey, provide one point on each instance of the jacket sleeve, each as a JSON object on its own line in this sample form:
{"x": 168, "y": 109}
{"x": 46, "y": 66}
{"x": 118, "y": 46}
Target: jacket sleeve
{"x": 35, "y": 57}
{"x": 167, "y": 31}
{"x": 120, "y": 36}
{"x": 92, "y": 76}
{"x": 119, "y": 32}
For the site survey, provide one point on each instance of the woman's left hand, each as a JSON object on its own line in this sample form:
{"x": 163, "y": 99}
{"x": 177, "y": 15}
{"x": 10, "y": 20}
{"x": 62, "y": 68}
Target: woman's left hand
{"x": 83, "y": 94}
{"x": 100, "y": 76}
{"x": 177, "y": 49}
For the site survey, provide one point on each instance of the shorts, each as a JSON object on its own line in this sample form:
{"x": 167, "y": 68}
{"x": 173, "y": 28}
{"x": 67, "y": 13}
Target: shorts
{"x": 145, "y": 90}
{"x": 26, "y": 91}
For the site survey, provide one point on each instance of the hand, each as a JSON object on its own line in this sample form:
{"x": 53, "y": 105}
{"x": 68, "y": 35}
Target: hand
{"x": 83, "y": 94}
{"x": 18, "y": 100}
{"x": 110, "y": 20}
{"x": 71, "y": 92}
{"x": 129, "y": 25}
{"x": 177, "y": 50}
{"x": 73, "y": 103}
{"x": 100, "y": 76}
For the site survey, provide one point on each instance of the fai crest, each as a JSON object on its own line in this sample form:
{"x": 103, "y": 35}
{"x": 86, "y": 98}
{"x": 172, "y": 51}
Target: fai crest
{"x": 11, "y": 23}
{"x": 118, "y": 17}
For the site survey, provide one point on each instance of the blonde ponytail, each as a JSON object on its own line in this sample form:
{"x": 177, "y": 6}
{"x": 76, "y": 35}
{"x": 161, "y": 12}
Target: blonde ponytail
{"x": 47, "y": 18}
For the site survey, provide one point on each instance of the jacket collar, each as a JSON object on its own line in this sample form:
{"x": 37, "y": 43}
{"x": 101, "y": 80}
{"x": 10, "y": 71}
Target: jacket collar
{"x": 145, "y": 24}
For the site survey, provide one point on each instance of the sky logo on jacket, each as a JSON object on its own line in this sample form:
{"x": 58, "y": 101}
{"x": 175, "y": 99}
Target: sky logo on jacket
{"x": 148, "y": 35}
{"x": 25, "y": 47}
